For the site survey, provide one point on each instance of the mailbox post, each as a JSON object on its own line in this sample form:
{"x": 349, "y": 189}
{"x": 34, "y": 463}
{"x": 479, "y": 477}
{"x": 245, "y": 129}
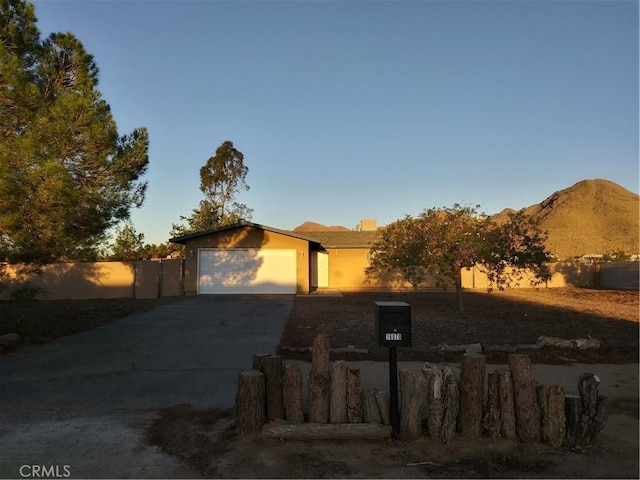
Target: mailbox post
{"x": 393, "y": 329}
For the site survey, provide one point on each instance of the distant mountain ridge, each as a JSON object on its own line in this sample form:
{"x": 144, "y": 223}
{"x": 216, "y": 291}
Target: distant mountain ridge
{"x": 594, "y": 216}
{"x": 591, "y": 217}
{"x": 318, "y": 227}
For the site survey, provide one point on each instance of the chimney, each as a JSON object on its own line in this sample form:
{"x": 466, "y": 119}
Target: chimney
{"x": 367, "y": 224}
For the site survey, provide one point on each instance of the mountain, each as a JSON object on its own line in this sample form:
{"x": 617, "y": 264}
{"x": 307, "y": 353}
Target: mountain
{"x": 317, "y": 227}
{"x": 593, "y": 216}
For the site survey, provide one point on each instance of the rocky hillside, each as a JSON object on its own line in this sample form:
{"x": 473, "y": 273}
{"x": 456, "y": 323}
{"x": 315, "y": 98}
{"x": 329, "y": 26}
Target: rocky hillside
{"x": 317, "y": 227}
{"x": 591, "y": 217}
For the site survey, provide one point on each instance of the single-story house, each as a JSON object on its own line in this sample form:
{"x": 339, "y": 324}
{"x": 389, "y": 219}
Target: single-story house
{"x": 251, "y": 258}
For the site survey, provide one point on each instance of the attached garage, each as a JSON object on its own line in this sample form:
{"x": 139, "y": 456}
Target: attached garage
{"x": 246, "y": 271}
{"x": 247, "y": 258}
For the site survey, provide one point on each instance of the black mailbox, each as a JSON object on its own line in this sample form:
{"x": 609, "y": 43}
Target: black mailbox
{"x": 393, "y": 324}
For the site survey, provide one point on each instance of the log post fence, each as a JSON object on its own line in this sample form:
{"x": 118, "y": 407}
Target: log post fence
{"x": 269, "y": 399}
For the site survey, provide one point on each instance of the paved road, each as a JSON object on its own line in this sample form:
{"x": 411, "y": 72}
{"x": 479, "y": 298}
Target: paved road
{"x": 95, "y": 389}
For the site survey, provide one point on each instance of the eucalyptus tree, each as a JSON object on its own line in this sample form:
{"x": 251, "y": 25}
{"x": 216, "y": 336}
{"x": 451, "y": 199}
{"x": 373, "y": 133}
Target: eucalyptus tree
{"x": 222, "y": 177}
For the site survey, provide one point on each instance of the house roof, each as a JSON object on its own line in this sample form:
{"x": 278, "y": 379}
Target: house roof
{"x": 345, "y": 239}
{"x": 242, "y": 223}
{"x": 324, "y": 239}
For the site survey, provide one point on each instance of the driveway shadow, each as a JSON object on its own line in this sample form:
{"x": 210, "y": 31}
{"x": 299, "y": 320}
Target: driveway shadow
{"x": 190, "y": 351}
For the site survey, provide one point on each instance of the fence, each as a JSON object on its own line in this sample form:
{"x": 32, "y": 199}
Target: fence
{"x": 164, "y": 278}
{"x": 604, "y": 275}
{"x": 563, "y": 274}
{"x": 84, "y": 280}
{"x": 618, "y": 276}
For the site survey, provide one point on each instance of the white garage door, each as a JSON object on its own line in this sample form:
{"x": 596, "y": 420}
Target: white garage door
{"x": 246, "y": 270}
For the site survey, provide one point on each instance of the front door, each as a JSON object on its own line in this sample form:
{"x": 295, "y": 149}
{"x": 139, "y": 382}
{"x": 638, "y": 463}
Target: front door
{"x": 319, "y": 270}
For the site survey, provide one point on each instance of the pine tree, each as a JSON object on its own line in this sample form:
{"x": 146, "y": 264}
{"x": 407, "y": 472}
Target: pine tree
{"x": 128, "y": 245}
{"x": 66, "y": 175}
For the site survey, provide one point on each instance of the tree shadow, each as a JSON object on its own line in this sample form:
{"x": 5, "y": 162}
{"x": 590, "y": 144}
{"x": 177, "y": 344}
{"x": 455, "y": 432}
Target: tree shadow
{"x": 227, "y": 270}
{"x": 89, "y": 280}
{"x": 394, "y": 280}
{"x": 76, "y": 280}
{"x": 574, "y": 274}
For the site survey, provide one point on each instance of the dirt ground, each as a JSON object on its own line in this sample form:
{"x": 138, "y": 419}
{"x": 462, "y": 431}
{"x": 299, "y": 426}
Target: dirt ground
{"x": 42, "y": 321}
{"x": 508, "y": 318}
{"x": 205, "y": 439}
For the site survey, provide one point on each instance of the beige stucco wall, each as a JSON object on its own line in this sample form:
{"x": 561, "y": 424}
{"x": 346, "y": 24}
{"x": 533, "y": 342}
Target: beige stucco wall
{"x": 619, "y": 275}
{"x": 171, "y": 277}
{"x": 147, "y": 276}
{"x": 150, "y": 279}
{"x": 246, "y": 237}
{"x": 79, "y": 280}
{"x": 563, "y": 274}
{"x": 347, "y": 272}
{"x": 86, "y": 280}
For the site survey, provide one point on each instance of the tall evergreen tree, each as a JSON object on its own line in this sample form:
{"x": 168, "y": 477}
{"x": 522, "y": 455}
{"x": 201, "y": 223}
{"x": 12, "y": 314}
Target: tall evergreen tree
{"x": 66, "y": 175}
{"x": 128, "y": 245}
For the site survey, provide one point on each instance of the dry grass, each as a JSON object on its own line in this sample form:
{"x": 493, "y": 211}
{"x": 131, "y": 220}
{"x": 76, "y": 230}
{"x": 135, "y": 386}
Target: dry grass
{"x": 502, "y": 318}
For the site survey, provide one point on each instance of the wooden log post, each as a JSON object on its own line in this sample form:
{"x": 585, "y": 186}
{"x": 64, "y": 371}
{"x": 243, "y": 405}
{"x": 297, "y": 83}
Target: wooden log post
{"x": 435, "y": 399}
{"x": 588, "y": 389}
{"x": 587, "y": 414}
{"x": 575, "y": 426}
{"x": 319, "y": 381}
{"x": 354, "y": 398}
{"x": 250, "y": 395}
{"x": 292, "y": 387}
{"x": 491, "y": 420}
{"x": 338, "y": 403}
{"x": 416, "y": 404}
{"x": 600, "y": 420}
{"x": 273, "y": 377}
{"x": 258, "y": 361}
{"x": 594, "y": 406}
{"x": 472, "y": 373}
{"x": 551, "y": 402}
{"x": 413, "y": 393}
{"x": 451, "y": 405}
{"x": 384, "y": 405}
{"x": 370, "y": 408}
{"x": 328, "y": 432}
{"x": 527, "y": 412}
{"x": 507, "y": 408}
{"x": 258, "y": 364}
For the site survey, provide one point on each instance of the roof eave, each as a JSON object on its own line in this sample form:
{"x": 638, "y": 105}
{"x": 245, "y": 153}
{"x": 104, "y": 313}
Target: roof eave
{"x": 242, "y": 223}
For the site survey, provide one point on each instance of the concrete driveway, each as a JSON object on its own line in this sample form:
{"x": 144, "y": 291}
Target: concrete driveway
{"x": 81, "y": 403}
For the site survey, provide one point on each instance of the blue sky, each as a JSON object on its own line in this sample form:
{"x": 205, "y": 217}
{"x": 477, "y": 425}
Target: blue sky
{"x": 367, "y": 109}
